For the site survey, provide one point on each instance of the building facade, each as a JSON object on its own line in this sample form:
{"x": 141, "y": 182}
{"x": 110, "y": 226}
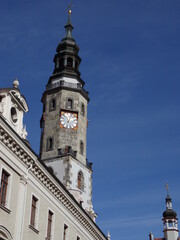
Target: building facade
{"x": 48, "y": 196}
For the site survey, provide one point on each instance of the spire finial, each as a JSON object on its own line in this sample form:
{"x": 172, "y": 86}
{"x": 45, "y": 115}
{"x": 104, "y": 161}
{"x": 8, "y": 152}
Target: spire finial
{"x": 167, "y": 188}
{"x": 69, "y": 8}
{"x": 68, "y": 25}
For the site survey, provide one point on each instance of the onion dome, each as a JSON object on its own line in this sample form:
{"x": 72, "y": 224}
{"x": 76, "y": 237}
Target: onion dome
{"x": 169, "y": 213}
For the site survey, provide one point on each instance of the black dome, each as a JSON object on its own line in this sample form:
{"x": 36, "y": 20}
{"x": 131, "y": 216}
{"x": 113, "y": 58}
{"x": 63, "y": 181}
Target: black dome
{"x": 169, "y": 213}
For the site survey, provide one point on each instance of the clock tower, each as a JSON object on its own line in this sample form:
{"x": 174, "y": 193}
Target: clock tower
{"x": 64, "y": 122}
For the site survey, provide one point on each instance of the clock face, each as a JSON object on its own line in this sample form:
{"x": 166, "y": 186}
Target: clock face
{"x": 68, "y": 120}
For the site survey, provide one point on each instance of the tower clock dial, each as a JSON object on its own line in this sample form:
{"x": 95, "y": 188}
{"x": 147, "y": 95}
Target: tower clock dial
{"x": 68, "y": 120}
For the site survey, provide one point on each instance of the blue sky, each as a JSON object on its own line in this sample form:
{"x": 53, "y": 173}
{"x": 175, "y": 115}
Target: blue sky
{"x": 130, "y": 54}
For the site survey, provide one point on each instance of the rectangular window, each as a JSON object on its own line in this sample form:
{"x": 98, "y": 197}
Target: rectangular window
{"x": 69, "y": 103}
{"x": 4, "y": 187}
{"x": 49, "y": 227}
{"x": 52, "y": 105}
{"x": 65, "y": 232}
{"x": 49, "y": 146}
{"x": 33, "y": 211}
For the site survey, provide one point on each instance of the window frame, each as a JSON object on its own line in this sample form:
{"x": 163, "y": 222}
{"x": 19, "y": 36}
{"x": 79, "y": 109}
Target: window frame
{"x": 9, "y": 186}
{"x": 52, "y": 104}
{"x": 81, "y": 148}
{"x": 49, "y": 144}
{"x": 82, "y": 109}
{"x": 36, "y": 217}
{"x": 80, "y": 181}
{"x": 65, "y": 232}
{"x": 69, "y": 106}
{"x": 69, "y": 62}
{"x": 50, "y": 235}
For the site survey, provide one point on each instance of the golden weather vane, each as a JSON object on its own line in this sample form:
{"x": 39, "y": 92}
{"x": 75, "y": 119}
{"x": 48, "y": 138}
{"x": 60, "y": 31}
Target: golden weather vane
{"x": 69, "y": 8}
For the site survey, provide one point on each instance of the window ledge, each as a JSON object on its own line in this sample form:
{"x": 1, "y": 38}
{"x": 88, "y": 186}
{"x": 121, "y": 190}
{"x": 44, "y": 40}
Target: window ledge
{"x": 33, "y": 228}
{"x": 5, "y": 209}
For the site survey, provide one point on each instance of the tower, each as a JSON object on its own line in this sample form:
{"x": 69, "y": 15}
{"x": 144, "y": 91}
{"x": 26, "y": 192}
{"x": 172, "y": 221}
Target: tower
{"x": 64, "y": 122}
{"x": 171, "y": 231}
{"x": 170, "y": 223}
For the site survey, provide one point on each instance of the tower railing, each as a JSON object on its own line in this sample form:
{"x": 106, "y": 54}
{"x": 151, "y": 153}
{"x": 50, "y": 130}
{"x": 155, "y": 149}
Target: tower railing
{"x": 62, "y": 83}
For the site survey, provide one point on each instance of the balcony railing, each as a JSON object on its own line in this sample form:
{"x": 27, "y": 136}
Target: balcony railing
{"x": 69, "y": 150}
{"x": 62, "y": 83}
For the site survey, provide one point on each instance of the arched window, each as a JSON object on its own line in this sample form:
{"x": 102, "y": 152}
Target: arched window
{"x": 69, "y": 103}
{"x": 4, "y": 233}
{"x": 82, "y": 109}
{"x": 69, "y": 62}
{"x": 13, "y": 114}
{"x": 81, "y": 147}
{"x": 80, "y": 180}
{"x": 61, "y": 62}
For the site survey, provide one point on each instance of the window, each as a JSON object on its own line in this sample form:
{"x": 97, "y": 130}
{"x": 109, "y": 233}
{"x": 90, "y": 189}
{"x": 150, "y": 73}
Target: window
{"x": 49, "y": 227}
{"x": 170, "y": 224}
{"x": 49, "y": 144}
{"x": 13, "y": 115}
{"x": 61, "y": 62}
{"x": 52, "y": 105}
{"x": 80, "y": 180}
{"x": 69, "y": 103}
{"x": 4, "y": 187}
{"x": 78, "y": 238}
{"x": 4, "y": 233}
{"x": 82, "y": 109}
{"x": 69, "y": 62}
{"x": 81, "y": 148}
{"x": 33, "y": 211}
{"x": 65, "y": 232}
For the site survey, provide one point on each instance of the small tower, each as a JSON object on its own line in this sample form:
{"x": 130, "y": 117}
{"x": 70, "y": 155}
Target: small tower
{"x": 13, "y": 105}
{"x": 171, "y": 231}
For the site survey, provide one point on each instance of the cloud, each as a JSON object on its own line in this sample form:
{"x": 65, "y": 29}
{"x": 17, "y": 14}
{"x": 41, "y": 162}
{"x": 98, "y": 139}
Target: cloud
{"x": 142, "y": 221}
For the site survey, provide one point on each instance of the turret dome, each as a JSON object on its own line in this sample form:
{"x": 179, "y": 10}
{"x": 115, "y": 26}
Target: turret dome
{"x": 169, "y": 213}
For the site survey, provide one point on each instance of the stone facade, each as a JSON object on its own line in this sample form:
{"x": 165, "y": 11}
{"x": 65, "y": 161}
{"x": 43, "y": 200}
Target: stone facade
{"x": 63, "y": 137}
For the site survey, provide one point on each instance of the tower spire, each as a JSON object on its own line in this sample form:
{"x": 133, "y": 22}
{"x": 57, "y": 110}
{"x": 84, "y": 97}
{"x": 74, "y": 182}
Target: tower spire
{"x": 167, "y": 188}
{"x": 69, "y": 27}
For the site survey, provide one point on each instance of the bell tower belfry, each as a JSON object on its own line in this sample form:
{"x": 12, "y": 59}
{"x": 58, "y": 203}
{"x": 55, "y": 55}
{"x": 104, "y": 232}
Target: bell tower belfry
{"x": 64, "y": 122}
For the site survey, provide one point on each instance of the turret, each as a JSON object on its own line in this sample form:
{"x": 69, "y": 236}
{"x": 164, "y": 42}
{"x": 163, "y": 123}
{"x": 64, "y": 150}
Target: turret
{"x": 171, "y": 231}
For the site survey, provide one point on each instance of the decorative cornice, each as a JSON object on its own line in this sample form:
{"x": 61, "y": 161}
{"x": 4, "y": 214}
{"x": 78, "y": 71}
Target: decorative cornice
{"x": 18, "y": 147}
